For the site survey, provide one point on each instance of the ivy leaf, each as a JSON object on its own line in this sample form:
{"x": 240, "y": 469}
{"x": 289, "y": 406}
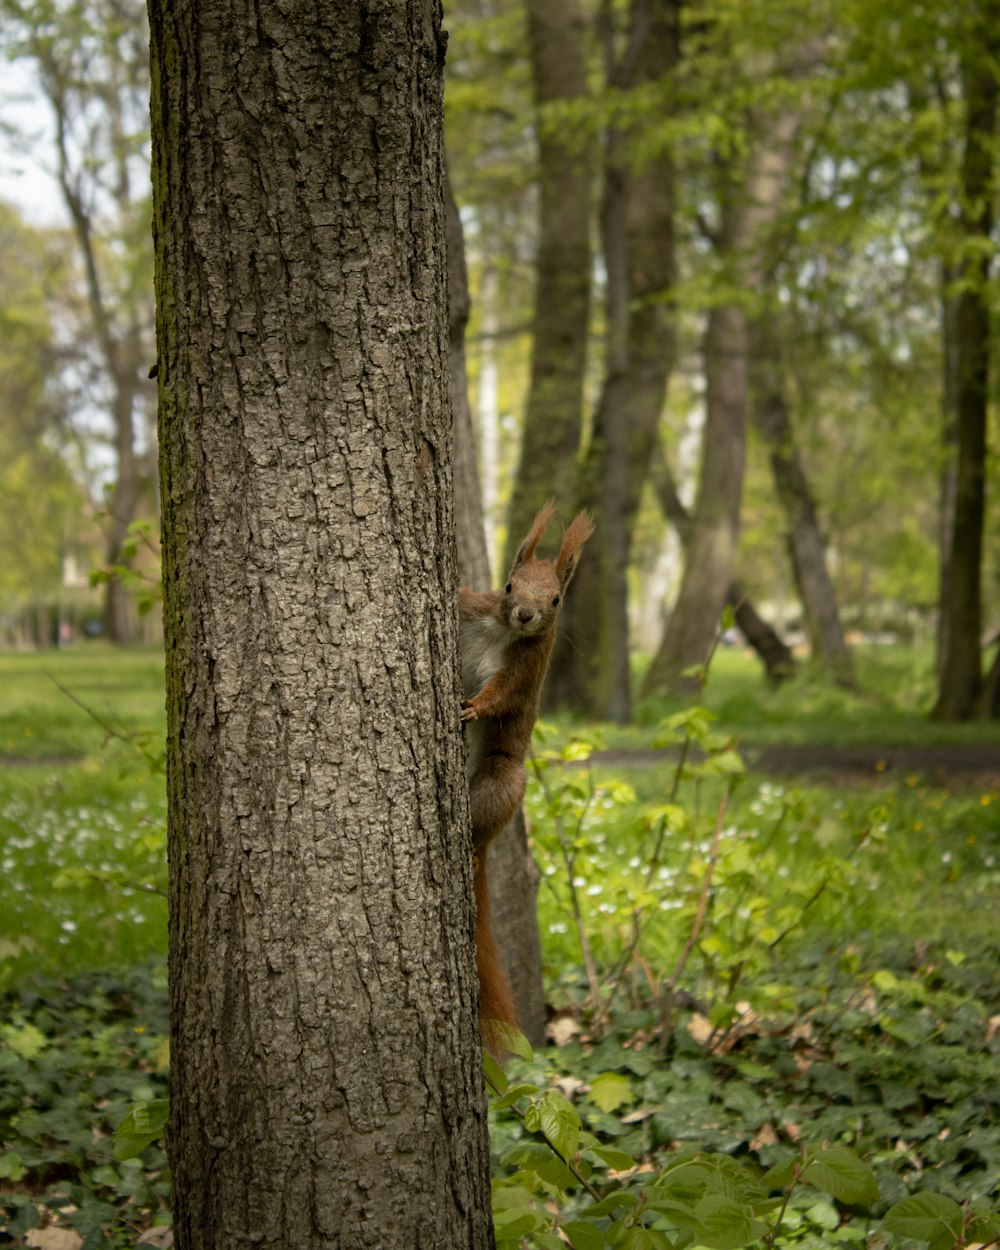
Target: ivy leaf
{"x": 11, "y": 1166}
{"x": 839, "y": 1172}
{"x": 926, "y": 1217}
{"x": 611, "y": 1090}
{"x": 143, "y": 1125}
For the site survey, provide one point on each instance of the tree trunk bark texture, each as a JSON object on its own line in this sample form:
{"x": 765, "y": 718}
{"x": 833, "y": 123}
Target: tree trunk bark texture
{"x": 561, "y": 322}
{"x": 590, "y": 668}
{"x": 960, "y": 670}
{"x": 325, "y": 1062}
{"x": 513, "y": 875}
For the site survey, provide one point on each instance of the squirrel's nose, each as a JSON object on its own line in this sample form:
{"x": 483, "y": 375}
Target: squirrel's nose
{"x": 524, "y": 615}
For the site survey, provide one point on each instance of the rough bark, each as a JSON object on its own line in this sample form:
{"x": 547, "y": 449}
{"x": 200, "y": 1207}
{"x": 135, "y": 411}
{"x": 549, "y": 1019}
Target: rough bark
{"x": 325, "y": 1066}
{"x": 513, "y": 874}
{"x": 806, "y": 547}
{"x": 590, "y": 670}
{"x": 960, "y": 672}
{"x": 554, "y": 408}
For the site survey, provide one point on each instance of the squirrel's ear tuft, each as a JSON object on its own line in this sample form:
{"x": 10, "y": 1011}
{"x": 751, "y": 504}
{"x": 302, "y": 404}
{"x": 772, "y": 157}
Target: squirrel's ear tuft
{"x": 577, "y": 533}
{"x": 526, "y": 550}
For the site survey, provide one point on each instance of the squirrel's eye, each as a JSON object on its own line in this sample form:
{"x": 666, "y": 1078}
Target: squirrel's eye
{"x": 555, "y": 602}
{"x": 507, "y": 589}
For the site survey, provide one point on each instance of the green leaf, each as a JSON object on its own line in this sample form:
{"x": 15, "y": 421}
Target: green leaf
{"x": 11, "y": 1166}
{"x": 726, "y": 1225}
{"x": 619, "y": 1160}
{"x": 560, "y": 1122}
{"x": 495, "y": 1075}
{"x": 611, "y": 1090}
{"x": 781, "y": 1175}
{"x": 584, "y": 1235}
{"x": 513, "y": 1040}
{"x": 513, "y": 1094}
{"x": 926, "y": 1217}
{"x": 25, "y": 1040}
{"x": 143, "y": 1125}
{"x": 839, "y": 1172}
{"x": 824, "y": 1214}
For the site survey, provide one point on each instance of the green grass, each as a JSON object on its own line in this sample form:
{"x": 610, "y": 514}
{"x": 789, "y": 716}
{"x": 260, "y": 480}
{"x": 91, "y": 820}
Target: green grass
{"x": 890, "y": 707}
{"x": 64, "y": 704}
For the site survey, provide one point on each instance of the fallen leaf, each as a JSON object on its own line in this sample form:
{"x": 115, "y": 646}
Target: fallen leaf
{"x": 562, "y": 1029}
{"x": 700, "y": 1028}
{"x": 160, "y": 1236}
{"x": 765, "y": 1137}
{"x": 53, "y": 1238}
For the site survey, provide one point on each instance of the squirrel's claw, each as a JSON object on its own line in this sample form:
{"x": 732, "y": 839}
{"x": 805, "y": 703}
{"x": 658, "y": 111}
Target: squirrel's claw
{"x": 468, "y": 712}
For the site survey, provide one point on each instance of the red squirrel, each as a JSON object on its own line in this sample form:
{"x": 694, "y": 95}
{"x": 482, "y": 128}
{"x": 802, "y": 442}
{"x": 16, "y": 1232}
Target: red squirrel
{"x": 506, "y": 638}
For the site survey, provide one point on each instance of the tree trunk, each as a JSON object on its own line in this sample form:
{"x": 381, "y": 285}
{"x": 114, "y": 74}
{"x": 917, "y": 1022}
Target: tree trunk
{"x": 513, "y": 875}
{"x": 590, "y": 667}
{"x": 325, "y": 1068}
{"x": 961, "y": 663}
{"x": 805, "y": 541}
{"x": 709, "y": 557}
{"x": 554, "y": 409}
{"x": 751, "y": 199}
{"x": 775, "y": 654}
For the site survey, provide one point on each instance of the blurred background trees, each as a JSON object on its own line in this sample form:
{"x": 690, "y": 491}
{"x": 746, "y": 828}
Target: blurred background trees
{"x": 732, "y": 284}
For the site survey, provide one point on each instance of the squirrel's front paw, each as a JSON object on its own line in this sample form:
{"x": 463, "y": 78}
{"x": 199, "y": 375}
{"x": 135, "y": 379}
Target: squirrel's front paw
{"x": 468, "y": 712}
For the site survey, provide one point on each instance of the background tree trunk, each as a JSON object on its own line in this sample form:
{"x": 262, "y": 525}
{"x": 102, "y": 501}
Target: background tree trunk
{"x": 806, "y": 546}
{"x": 590, "y": 667}
{"x": 961, "y": 662}
{"x": 775, "y": 654}
{"x": 750, "y": 201}
{"x": 709, "y": 556}
{"x": 325, "y": 1066}
{"x": 561, "y": 321}
{"x": 513, "y": 874}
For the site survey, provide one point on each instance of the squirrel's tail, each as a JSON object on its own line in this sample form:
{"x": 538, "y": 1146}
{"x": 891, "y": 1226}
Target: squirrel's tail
{"x": 497, "y": 1009}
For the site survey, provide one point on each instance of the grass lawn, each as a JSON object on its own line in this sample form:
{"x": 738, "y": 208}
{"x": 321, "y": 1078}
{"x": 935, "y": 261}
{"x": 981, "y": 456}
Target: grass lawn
{"x": 830, "y": 949}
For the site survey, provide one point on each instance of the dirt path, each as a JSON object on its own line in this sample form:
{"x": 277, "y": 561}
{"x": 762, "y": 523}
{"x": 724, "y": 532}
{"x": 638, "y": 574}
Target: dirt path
{"x": 976, "y": 766}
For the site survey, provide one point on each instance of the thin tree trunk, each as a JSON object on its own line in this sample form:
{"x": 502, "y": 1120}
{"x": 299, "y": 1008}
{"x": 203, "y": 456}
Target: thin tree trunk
{"x": 805, "y": 541}
{"x": 326, "y": 1083}
{"x": 710, "y": 554}
{"x": 961, "y": 663}
{"x": 590, "y": 668}
{"x": 513, "y": 874}
{"x": 554, "y": 409}
{"x": 751, "y": 201}
{"x": 775, "y": 654}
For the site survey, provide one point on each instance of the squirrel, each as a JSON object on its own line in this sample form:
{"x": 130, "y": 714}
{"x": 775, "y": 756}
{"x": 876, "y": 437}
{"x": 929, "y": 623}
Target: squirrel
{"x": 506, "y": 640}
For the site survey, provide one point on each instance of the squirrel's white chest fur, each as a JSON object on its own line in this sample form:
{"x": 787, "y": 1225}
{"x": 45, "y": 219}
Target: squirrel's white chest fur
{"x": 483, "y": 644}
